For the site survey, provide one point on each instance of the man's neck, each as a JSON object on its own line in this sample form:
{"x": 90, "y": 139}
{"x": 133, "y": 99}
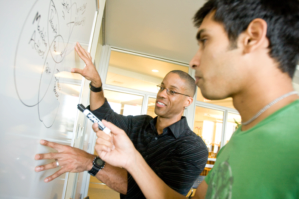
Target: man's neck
{"x": 163, "y": 122}
{"x": 250, "y": 101}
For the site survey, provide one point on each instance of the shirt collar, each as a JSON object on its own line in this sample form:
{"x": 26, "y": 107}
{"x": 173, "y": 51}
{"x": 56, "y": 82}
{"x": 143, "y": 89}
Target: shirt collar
{"x": 176, "y": 128}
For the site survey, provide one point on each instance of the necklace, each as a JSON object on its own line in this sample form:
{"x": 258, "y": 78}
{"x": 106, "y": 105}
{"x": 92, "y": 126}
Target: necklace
{"x": 268, "y": 106}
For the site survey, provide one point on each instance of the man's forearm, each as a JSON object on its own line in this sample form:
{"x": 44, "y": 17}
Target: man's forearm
{"x": 114, "y": 177}
{"x": 150, "y": 184}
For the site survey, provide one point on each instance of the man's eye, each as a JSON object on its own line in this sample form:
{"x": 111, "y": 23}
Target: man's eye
{"x": 162, "y": 88}
{"x": 172, "y": 92}
{"x": 203, "y": 41}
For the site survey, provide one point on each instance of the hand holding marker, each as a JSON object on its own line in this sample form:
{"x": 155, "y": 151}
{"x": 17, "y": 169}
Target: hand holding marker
{"x": 94, "y": 119}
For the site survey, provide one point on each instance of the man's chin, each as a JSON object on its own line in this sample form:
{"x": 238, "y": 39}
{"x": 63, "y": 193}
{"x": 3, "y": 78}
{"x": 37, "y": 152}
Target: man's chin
{"x": 159, "y": 112}
{"x": 212, "y": 96}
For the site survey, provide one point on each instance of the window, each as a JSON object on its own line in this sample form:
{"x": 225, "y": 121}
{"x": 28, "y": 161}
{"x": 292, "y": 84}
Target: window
{"x": 123, "y": 103}
{"x": 151, "y": 107}
{"x": 137, "y": 72}
{"x": 208, "y": 125}
{"x": 233, "y": 122}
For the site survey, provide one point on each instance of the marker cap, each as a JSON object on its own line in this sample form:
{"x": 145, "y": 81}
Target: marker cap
{"x": 107, "y": 131}
{"x": 81, "y": 107}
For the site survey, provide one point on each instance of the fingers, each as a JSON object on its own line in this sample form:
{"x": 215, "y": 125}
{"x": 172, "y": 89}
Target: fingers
{"x": 83, "y": 51}
{"x": 104, "y": 139}
{"x": 102, "y": 150}
{"x": 58, "y": 147}
{"x": 114, "y": 129}
{"x": 77, "y": 70}
{"x": 95, "y": 127}
{"x": 47, "y": 156}
{"x": 53, "y": 145}
{"x": 83, "y": 54}
{"x": 55, "y": 175}
{"x": 104, "y": 142}
{"x": 51, "y": 165}
{"x": 89, "y": 55}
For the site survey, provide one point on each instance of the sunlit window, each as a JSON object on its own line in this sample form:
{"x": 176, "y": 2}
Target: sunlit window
{"x": 208, "y": 125}
{"x": 233, "y": 122}
{"x": 116, "y": 107}
{"x": 132, "y": 110}
{"x": 151, "y": 107}
{"x": 136, "y": 72}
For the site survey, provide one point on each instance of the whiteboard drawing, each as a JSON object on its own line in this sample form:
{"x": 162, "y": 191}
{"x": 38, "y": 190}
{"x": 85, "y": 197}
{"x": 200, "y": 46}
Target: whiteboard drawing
{"x": 42, "y": 47}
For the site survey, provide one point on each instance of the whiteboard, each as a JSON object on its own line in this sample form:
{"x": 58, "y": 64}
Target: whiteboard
{"x": 38, "y": 94}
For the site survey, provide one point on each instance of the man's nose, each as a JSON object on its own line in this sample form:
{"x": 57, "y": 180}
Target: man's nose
{"x": 195, "y": 61}
{"x": 162, "y": 94}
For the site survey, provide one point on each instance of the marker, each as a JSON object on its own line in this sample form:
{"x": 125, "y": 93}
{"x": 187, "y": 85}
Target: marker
{"x": 93, "y": 118}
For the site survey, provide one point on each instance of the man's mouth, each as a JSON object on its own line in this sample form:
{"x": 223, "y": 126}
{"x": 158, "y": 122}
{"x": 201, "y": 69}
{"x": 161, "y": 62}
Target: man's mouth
{"x": 160, "y": 104}
{"x": 197, "y": 78}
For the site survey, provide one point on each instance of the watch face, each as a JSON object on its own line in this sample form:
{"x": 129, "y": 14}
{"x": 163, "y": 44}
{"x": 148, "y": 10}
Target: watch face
{"x": 99, "y": 162}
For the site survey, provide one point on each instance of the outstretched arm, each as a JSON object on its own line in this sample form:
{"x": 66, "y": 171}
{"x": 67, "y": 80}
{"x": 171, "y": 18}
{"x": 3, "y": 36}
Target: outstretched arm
{"x": 123, "y": 154}
{"x": 90, "y": 72}
{"x": 74, "y": 160}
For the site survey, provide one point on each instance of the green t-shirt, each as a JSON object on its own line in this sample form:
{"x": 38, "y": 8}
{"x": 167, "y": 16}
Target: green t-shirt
{"x": 262, "y": 162}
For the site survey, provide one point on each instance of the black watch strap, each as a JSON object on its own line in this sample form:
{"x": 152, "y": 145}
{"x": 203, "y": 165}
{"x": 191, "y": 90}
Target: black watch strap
{"x": 94, "y": 89}
{"x": 93, "y": 171}
{"x": 97, "y": 165}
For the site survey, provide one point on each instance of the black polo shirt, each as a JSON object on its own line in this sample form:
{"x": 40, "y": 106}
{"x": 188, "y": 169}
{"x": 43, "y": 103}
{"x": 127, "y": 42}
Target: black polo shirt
{"x": 177, "y": 156}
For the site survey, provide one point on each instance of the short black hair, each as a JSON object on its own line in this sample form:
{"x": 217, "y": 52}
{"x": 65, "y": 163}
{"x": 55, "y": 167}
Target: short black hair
{"x": 191, "y": 86}
{"x": 281, "y": 16}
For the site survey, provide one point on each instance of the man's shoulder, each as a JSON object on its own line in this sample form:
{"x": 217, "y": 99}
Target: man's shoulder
{"x": 190, "y": 137}
{"x": 289, "y": 113}
{"x": 284, "y": 120}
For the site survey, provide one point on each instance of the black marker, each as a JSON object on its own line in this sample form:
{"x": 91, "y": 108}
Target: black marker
{"x": 93, "y": 118}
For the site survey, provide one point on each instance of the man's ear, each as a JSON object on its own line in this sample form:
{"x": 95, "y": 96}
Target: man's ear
{"x": 188, "y": 102}
{"x": 255, "y": 36}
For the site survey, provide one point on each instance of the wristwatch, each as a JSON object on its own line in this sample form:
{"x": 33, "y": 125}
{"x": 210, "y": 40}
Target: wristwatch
{"x": 94, "y": 89}
{"x": 97, "y": 165}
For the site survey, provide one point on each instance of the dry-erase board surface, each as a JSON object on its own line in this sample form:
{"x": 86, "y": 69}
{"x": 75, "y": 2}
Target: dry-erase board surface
{"x": 38, "y": 97}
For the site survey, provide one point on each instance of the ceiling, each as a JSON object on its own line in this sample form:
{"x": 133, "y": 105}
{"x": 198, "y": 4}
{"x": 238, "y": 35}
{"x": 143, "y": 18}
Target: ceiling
{"x": 159, "y": 28}
{"x": 155, "y": 27}
{"x": 143, "y": 65}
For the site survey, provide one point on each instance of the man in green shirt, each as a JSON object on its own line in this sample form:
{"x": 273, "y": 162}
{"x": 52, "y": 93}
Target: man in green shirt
{"x": 248, "y": 50}
{"x": 260, "y": 162}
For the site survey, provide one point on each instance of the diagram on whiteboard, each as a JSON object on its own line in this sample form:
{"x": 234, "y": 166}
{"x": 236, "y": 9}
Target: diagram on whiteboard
{"x": 43, "y": 45}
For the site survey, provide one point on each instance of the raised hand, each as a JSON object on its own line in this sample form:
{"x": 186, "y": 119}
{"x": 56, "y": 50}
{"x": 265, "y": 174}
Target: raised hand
{"x": 89, "y": 71}
{"x": 69, "y": 159}
{"x": 116, "y": 149}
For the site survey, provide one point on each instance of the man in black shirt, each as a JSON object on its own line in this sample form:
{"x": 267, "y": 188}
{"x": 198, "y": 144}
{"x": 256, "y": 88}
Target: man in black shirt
{"x": 166, "y": 142}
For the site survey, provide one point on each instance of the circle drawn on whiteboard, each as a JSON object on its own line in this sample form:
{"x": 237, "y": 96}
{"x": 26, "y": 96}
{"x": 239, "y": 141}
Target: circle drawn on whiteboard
{"x": 30, "y": 52}
{"x": 31, "y": 57}
{"x": 53, "y": 22}
{"x": 42, "y": 46}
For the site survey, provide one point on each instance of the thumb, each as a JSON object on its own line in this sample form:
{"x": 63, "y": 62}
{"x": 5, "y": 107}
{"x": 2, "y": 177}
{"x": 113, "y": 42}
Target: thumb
{"x": 103, "y": 155}
{"x": 95, "y": 127}
{"x": 77, "y": 70}
{"x": 114, "y": 129}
